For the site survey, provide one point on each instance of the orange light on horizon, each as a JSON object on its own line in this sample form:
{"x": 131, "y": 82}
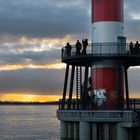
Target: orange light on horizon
{"x": 28, "y": 98}
{"x": 32, "y": 66}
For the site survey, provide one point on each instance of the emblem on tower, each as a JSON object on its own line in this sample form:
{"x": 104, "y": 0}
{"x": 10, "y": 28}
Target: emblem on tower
{"x": 100, "y": 97}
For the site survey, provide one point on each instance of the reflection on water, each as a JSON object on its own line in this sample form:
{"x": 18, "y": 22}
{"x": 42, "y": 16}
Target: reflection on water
{"x": 29, "y": 122}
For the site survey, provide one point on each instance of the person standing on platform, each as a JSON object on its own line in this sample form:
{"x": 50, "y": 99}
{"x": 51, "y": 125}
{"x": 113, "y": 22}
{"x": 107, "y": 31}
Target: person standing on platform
{"x": 78, "y": 47}
{"x": 68, "y": 49}
{"x": 131, "y": 48}
{"x": 137, "y": 47}
{"x": 85, "y": 44}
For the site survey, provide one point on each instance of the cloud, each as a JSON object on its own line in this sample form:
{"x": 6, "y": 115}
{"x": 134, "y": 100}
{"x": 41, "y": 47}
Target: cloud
{"x": 39, "y": 81}
{"x": 132, "y": 20}
{"x": 132, "y": 30}
{"x": 131, "y": 8}
{"x": 134, "y": 80}
{"x": 53, "y": 19}
{"x": 41, "y": 18}
{"x": 30, "y": 57}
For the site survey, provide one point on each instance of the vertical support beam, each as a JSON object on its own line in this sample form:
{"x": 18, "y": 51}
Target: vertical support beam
{"x": 85, "y": 131}
{"x": 76, "y": 131}
{"x": 106, "y": 131}
{"x": 136, "y": 134}
{"x": 63, "y": 130}
{"x": 85, "y": 87}
{"x": 130, "y": 135}
{"x": 122, "y": 133}
{"x": 126, "y": 88}
{"x": 71, "y": 86}
{"x": 94, "y": 131}
{"x": 70, "y": 131}
{"x": 77, "y": 76}
{"x": 118, "y": 81}
{"x": 113, "y": 131}
{"x": 65, "y": 82}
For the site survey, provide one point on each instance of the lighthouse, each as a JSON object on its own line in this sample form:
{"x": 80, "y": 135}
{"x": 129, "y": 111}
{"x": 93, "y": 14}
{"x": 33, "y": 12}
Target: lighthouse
{"x": 95, "y": 104}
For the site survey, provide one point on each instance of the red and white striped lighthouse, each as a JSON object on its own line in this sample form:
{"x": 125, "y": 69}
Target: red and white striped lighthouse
{"x": 107, "y": 28}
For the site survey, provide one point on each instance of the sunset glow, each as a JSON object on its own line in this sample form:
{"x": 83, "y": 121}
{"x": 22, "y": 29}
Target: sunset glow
{"x": 28, "y": 98}
{"x": 31, "y": 66}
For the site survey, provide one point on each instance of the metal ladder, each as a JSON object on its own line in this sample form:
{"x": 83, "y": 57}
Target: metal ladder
{"x": 78, "y": 81}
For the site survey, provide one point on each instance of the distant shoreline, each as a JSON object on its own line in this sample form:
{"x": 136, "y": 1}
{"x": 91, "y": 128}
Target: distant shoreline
{"x": 29, "y": 103}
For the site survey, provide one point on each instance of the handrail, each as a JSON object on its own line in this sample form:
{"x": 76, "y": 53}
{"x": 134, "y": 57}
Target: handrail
{"x": 101, "y": 49}
{"x": 75, "y": 104}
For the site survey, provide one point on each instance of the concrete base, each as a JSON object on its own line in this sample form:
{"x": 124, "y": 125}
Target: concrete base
{"x": 76, "y": 131}
{"x": 106, "y": 131}
{"x": 97, "y": 131}
{"x": 63, "y": 130}
{"x": 70, "y": 131}
{"x": 94, "y": 131}
{"x": 99, "y": 125}
{"x": 136, "y": 134}
{"x": 122, "y": 133}
{"x": 85, "y": 131}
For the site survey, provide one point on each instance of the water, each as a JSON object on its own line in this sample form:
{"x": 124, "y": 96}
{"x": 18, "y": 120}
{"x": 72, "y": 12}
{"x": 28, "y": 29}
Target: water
{"x": 29, "y": 122}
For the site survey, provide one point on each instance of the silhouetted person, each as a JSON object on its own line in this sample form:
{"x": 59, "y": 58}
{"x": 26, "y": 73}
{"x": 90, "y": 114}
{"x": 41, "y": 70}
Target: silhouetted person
{"x": 90, "y": 92}
{"x": 131, "y": 48}
{"x": 85, "y": 44}
{"x": 78, "y": 47}
{"x": 136, "y": 48}
{"x": 68, "y": 49}
{"x": 89, "y": 88}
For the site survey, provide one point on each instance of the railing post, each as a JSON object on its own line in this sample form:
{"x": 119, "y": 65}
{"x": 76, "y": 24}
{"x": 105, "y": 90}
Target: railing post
{"x": 134, "y": 102}
{"x": 118, "y": 49}
{"x": 109, "y": 49}
{"x": 100, "y": 49}
{"x": 62, "y": 53}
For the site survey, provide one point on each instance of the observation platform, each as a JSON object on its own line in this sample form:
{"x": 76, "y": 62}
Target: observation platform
{"x": 104, "y": 51}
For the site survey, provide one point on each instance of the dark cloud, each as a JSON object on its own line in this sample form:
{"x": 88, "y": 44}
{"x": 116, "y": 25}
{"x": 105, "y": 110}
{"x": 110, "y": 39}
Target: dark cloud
{"x": 27, "y": 80}
{"x": 132, "y": 20}
{"x": 39, "y": 18}
{"x": 47, "y": 81}
{"x": 132, "y": 30}
{"x": 55, "y": 18}
{"x": 30, "y": 57}
{"x": 131, "y": 7}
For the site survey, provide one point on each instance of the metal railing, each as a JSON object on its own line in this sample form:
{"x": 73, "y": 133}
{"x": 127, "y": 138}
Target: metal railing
{"x": 75, "y": 104}
{"x": 100, "y": 49}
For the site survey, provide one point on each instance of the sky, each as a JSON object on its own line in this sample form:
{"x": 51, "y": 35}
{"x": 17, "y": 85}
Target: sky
{"x": 32, "y": 33}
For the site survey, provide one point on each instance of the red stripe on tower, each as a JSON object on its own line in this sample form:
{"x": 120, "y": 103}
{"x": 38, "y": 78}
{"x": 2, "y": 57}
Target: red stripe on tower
{"x": 107, "y": 10}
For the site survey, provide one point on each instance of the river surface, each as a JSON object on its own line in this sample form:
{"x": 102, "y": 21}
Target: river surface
{"x": 29, "y": 122}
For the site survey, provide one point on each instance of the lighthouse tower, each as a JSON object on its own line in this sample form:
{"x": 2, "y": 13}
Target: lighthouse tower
{"x": 107, "y": 29}
{"x": 95, "y": 103}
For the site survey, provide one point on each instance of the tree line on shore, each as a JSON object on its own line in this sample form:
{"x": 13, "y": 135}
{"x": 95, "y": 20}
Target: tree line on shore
{"x": 28, "y": 103}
